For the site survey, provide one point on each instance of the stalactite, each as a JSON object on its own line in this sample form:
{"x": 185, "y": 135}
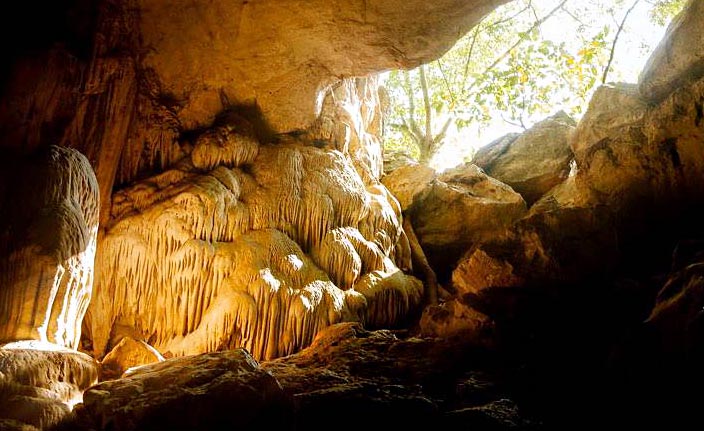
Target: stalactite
{"x": 152, "y": 141}
{"x": 223, "y": 146}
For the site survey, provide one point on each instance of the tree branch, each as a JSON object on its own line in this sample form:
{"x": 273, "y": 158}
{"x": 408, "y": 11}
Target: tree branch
{"x": 408, "y": 131}
{"x": 426, "y": 102}
{"x": 421, "y": 262}
{"x": 447, "y": 85}
{"x": 411, "y": 123}
{"x": 535, "y": 25}
{"x": 474, "y": 40}
{"x": 501, "y": 21}
{"x": 513, "y": 123}
{"x": 441, "y": 134}
{"x": 469, "y": 57}
{"x": 574, "y": 17}
{"x": 613, "y": 46}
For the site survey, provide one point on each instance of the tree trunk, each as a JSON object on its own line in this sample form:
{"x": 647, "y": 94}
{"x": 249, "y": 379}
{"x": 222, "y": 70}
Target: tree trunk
{"x": 421, "y": 263}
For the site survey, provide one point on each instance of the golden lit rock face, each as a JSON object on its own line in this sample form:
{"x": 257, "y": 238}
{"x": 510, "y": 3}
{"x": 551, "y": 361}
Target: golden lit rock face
{"x": 679, "y": 59}
{"x": 639, "y": 170}
{"x": 636, "y": 163}
{"x": 280, "y": 54}
{"x": 126, "y": 354}
{"x": 264, "y": 250}
{"x": 47, "y": 248}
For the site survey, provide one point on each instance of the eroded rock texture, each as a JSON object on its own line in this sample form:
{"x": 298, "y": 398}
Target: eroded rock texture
{"x": 389, "y": 381}
{"x": 350, "y": 377}
{"x": 47, "y": 246}
{"x": 125, "y": 78}
{"x": 677, "y": 61}
{"x": 225, "y": 233}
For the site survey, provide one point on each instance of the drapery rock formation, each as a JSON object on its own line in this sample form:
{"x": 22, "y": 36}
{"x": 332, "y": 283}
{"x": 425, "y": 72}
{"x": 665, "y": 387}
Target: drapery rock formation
{"x": 146, "y": 71}
{"x": 47, "y": 246}
{"x": 258, "y": 246}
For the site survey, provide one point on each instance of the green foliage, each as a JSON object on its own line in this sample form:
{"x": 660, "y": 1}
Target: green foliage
{"x": 663, "y": 10}
{"x": 508, "y": 67}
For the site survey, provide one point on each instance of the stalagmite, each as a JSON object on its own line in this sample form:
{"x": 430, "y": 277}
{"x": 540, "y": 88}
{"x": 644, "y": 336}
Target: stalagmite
{"x": 47, "y": 248}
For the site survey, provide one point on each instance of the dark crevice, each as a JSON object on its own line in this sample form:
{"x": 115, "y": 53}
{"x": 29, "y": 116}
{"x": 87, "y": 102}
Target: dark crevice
{"x": 669, "y": 147}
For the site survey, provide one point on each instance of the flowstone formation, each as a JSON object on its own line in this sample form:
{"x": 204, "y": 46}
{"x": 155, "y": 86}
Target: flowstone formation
{"x": 257, "y": 245}
{"x": 40, "y": 383}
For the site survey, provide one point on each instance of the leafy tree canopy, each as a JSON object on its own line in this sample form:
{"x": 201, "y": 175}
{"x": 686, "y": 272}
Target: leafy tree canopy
{"x": 521, "y": 63}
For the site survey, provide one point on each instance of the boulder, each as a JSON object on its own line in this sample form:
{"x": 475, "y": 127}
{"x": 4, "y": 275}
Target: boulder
{"x": 126, "y": 354}
{"x": 477, "y": 270}
{"x": 491, "y": 152}
{"x": 407, "y": 182}
{"x": 631, "y": 156}
{"x": 214, "y": 391}
{"x": 454, "y": 318}
{"x": 563, "y": 238}
{"x": 533, "y": 162}
{"x": 462, "y": 207}
{"x": 397, "y": 159}
{"x": 48, "y": 235}
{"x": 381, "y": 379}
{"x": 614, "y": 110}
{"x": 679, "y": 58}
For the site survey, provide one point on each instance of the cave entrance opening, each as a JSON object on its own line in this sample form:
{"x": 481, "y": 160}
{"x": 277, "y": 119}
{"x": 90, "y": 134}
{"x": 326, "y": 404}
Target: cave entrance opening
{"x": 522, "y": 63}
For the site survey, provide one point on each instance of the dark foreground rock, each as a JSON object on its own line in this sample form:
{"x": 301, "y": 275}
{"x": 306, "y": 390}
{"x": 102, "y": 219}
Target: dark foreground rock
{"x": 215, "y": 391}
